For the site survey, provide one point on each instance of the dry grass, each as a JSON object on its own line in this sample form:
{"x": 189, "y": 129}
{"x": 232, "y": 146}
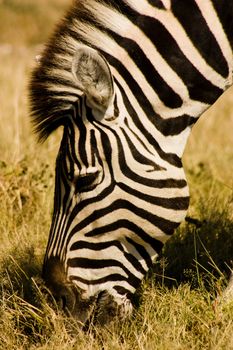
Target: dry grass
{"x": 28, "y": 22}
{"x": 169, "y": 315}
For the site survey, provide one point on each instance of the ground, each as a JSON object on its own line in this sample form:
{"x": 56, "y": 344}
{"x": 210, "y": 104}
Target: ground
{"x": 176, "y": 307}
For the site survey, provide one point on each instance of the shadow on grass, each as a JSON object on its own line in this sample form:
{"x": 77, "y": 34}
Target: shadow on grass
{"x": 200, "y": 252}
{"x": 17, "y": 271}
{"x": 25, "y": 303}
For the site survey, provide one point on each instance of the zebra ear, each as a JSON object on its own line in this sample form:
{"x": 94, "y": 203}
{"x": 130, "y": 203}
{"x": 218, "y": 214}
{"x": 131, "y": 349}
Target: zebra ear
{"x": 93, "y": 77}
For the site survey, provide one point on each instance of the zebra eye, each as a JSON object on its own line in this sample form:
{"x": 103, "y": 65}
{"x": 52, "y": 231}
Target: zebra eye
{"x": 87, "y": 182}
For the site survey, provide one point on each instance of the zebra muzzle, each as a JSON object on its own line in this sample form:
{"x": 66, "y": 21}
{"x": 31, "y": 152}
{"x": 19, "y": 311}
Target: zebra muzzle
{"x": 67, "y": 295}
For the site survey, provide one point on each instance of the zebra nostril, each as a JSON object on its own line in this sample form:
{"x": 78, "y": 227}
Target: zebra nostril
{"x": 66, "y": 300}
{"x": 63, "y": 302}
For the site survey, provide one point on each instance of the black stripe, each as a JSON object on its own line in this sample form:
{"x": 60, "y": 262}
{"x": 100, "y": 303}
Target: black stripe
{"x": 106, "y": 144}
{"x": 119, "y": 5}
{"x": 96, "y": 246}
{"x": 224, "y": 9}
{"x": 81, "y": 139}
{"x": 56, "y": 210}
{"x": 156, "y": 3}
{"x": 95, "y": 155}
{"x": 63, "y": 178}
{"x": 141, "y": 250}
{"x": 122, "y": 7}
{"x": 108, "y": 278}
{"x": 116, "y": 109}
{"x": 123, "y": 291}
{"x": 95, "y": 264}
{"x": 94, "y": 148}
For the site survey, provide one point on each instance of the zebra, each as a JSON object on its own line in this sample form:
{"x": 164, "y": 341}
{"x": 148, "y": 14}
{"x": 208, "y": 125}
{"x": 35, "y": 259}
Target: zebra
{"x": 127, "y": 80}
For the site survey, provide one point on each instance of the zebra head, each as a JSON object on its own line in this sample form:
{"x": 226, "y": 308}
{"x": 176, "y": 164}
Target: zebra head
{"x": 111, "y": 211}
{"x": 127, "y": 80}
{"x": 86, "y": 261}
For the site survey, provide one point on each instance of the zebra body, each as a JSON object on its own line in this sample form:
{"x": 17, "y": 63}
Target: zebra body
{"x": 127, "y": 80}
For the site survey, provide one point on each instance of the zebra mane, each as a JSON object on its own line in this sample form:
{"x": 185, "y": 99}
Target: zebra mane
{"x": 53, "y": 89}
{"x": 50, "y": 89}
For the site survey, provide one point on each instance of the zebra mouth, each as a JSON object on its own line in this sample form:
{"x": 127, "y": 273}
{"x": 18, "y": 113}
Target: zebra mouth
{"x": 99, "y": 310}
{"x": 69, "y": 301}
{"x": 106, "y": 309}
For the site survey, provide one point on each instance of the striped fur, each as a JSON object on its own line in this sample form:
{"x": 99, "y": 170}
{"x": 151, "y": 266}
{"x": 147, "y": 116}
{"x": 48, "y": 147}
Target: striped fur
{"x": 127, "y": 80}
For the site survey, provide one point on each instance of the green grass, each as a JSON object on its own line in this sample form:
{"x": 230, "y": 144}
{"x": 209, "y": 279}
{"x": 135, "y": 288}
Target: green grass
{"x": 176, "y": 305}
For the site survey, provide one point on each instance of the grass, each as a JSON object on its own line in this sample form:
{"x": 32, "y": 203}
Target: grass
{"x": 28, "y": 22}
{"x": 176, "y": 305}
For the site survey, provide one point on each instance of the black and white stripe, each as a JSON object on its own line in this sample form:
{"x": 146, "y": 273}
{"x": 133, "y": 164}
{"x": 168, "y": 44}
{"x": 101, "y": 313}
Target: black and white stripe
{"x": 155, "y": 67}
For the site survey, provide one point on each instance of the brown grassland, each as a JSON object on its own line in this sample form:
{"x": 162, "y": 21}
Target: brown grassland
{"x": 176, "y": 307}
